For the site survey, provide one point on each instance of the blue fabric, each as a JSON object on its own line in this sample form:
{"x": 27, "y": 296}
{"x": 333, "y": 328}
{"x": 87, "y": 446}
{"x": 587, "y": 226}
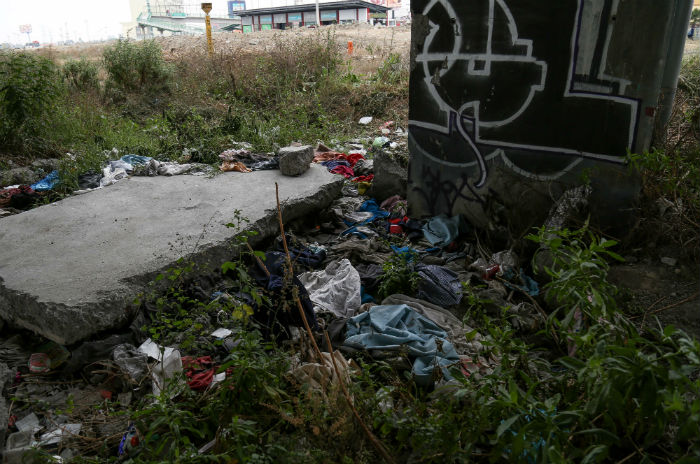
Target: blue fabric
{"x": 441, "y": 230}
{"x": 398, "y": 328}
{"x": 366, "y": 297}
{"x": 439, "y": 285}
{"x": 522, "y": 282}
{"x": 408, "y": 251}
{"x": 371, "y": 206}
{"x": 136, "y": 160}
{"x": 47, "y": 183}
{"x": 334, "y": 164}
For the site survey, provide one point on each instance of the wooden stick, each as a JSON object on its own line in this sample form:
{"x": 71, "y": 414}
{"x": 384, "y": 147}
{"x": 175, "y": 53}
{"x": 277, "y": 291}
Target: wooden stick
{"x": 690, "y": 298}
{"x": 260, "y": 263}
{"x": 290, "y": 271}
{"x": 372, "y": 438}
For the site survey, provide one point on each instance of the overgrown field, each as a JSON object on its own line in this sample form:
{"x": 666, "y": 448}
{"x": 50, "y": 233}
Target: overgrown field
{"x": 130, "y": 97}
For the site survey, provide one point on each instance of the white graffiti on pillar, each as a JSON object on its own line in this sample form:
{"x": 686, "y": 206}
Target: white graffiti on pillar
{"x": 477, "y": 60}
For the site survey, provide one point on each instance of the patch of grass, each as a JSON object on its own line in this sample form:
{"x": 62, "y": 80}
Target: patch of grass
{"x": 81, "y": 75}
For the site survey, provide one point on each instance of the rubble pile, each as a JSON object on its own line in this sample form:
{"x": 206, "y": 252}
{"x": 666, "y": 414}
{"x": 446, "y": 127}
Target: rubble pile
{"x": 362, "y": 275}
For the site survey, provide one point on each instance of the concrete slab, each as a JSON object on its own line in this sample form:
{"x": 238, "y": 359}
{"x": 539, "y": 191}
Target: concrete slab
{"x": 69, "y": 270}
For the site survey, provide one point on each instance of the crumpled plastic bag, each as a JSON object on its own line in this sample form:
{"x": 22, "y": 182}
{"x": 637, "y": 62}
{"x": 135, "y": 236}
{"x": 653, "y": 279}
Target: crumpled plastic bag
{"x": 131, "y": 360}
{"x": 47, "y": 183}
{"x": 111, "y": 176}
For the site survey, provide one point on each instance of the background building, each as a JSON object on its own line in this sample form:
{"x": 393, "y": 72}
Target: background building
{"x": 304, "y": 14}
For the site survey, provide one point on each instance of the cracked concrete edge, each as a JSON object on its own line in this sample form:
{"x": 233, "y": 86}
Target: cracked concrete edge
{"x": 67, "y": 325}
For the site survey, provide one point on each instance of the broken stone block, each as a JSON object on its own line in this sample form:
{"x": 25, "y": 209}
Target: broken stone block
{"x": 390, "y": 178}
{"x": 295, "y": 161}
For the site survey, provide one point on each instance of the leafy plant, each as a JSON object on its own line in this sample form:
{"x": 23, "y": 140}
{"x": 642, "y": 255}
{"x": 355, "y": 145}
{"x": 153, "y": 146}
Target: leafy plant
{"x": 392, "y": 71}
{"x": 399, "y": 275}
{"x": 136, "y": 67}
{"x": 578, "y": 273}
{"x": 29, "y": 92}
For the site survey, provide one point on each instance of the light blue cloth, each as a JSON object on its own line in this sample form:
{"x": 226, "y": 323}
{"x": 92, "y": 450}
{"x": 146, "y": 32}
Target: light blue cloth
{"x": 136, "y": 160}
{"x": 47, "y": 183}
{"x": 441, "y": 230}
{"x": 400, "y": 327}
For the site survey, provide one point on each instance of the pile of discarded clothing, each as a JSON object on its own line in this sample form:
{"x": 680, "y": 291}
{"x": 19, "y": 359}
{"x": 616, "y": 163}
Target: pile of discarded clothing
{"x": 353, "y": 166}
{"x": 244, "y": 160}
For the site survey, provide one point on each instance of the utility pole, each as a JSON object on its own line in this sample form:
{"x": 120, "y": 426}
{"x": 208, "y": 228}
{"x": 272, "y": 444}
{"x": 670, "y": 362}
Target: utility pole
{"x": 206, "y": 7}
{"x": 318, "y": 16}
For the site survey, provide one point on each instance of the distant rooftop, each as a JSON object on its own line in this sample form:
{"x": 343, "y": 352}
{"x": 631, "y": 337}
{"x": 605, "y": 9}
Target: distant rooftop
{"x": 312, "y": 7}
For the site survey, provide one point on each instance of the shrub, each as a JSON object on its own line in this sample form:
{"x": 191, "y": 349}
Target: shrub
{"x": 29, "y": 91}
{"x": 81, "y": 74}
{"x": 136, "y": 67}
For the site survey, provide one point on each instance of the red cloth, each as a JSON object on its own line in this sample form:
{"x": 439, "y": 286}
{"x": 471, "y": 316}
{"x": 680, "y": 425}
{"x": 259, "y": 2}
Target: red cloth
{"x": 396, "y": 225}
{"x": 344, "y": 171}
{"x": 7, "y": 194}
{"x": 321, "y": 156}
{"x": 364, "y": 178}
{"x": 198, "y": 371}
{"x": 352, "y": 158}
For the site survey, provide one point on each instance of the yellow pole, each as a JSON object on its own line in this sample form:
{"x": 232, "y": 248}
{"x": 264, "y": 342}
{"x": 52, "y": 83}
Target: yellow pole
{"x": 206, "y": 7}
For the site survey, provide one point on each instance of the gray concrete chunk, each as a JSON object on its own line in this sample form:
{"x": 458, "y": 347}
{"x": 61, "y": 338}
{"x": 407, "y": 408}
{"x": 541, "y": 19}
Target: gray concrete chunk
{"x": 70, "y": 269}
{"x": 295, "y": 161}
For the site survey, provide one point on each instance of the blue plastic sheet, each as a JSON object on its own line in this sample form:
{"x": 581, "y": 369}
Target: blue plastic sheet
{"x": 136, "y": 160}
{"x": 47, "y": 183}
{"x": 441, "y": 230}
{"x": 401, "y": 328}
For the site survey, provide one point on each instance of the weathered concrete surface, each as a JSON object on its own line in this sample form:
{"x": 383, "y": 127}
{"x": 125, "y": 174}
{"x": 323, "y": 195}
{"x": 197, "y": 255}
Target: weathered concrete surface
{"x": 70, "y": 269}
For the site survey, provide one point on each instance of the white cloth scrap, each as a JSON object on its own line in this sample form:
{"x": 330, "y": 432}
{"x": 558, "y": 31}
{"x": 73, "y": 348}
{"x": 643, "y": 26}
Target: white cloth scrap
{"x": 335, "y": 289}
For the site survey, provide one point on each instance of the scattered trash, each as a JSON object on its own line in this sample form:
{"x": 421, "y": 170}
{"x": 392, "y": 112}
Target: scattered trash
{"x": 316, "y": 378}
{"x": 381, "y": 142}
{"x": 335, "y": 289}
{"x": 399, "y": 328}
{"x": 129, "y": 444}
{"x": 39, "y": 363}
{"x": 131, "y": 360}
{"x": 669, "y": 261}
{"x": 440, "y": 231}
{"x": 18, "y": 196}
{"x": 366, "y": 120}
{"x": 47, "y": 183}
{"x": 17, "y": 445}
{"x": 168, "y": 366}
{"x": 228, "y": 166}
{"x": 199, "y": 372}
{"x": 439, "y": 285}
{"x": 136, "y": 160}
{"x": 455, "y": 328}
{"x": 111, "y": 176}
{"x": 29, "y": 423}
{"x": 60, "y": 433}
{"x": 89, "y": 180}
{"x": 221, "y": 333}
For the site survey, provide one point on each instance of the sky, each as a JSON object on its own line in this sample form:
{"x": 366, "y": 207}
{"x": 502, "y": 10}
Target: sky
{"x": 57, "y": 20}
